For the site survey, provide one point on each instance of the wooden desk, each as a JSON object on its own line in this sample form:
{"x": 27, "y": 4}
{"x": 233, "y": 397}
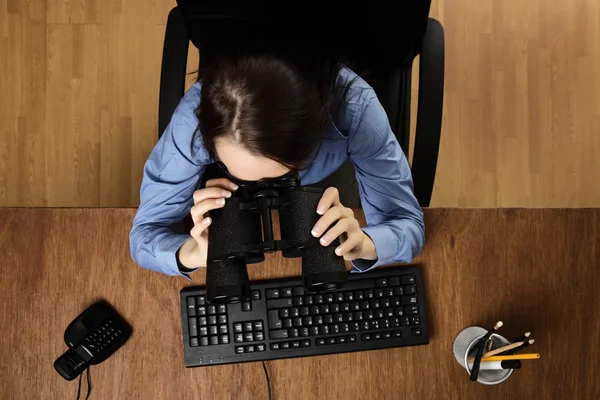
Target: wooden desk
{"x": 536, "y": 270}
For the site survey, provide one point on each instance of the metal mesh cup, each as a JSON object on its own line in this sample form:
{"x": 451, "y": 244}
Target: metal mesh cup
{"x": 464, "y": 347}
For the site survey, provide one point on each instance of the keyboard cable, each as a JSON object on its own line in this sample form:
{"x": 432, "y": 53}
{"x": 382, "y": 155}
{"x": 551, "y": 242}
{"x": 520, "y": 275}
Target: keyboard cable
{"x": 268, "y": 379}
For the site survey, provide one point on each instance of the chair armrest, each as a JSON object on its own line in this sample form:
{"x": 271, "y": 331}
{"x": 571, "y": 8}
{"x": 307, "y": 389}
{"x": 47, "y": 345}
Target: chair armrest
{"x": 429, "y": 111}
{"x": 173, "y": 69}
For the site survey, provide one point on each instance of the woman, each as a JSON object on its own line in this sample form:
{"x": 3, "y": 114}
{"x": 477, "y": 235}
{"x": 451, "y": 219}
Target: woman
{"x": 260, "y": 115}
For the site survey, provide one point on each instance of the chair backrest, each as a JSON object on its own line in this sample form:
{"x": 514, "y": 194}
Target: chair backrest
{"x": 381, "y": 43}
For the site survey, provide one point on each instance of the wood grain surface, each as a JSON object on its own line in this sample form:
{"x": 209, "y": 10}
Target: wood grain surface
{"x": 79, "y": 107}
{"x": 537, "y": 270}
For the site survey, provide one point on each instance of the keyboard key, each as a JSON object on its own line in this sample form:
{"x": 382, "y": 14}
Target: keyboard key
{"x": 335, "y": 308}
{"x": 298, "y": 301}
{"x": 295, "y": 344}
{"x": 375, "y": 324}
{"x": 376, "y": 336}
{"x": 358, "y": 316}
{"x": 222, "y": 319}
{"x": 304, "y": 311}
{"x": 304, "y": 332}
{"x": 395, "y": 301}
{"x": 297, "y": 321}
{"x": 279, "y": 303}
{"x": 211, "y": 310}
{"x": 404, "y": 321}
{"x": 272, "y": 293}
{"x": 366, "y": 336}
{"x": 398, "y": 311}
{"x": 274, "y": 346}
{"x": 200, "y": 300}
{"x": 330, "y": 340}
{"x": 308, "y": 300}
{"x": 378, "y": 313}
{"x": 358, "y": 295}
{"x": 369, "y": 314}
{"x": 248, "y": 337}
{"x": 369, "y": 294}
{"x": 285, "y": 346}
{"x": 248, "y": 326}
{"x": 256, "y": 295}
{"x": 324, "y": 309}
{"x": 397, "y": 334}
{"x": 375, "y": 303}
{"x": 348, "y": 296}
{"x": 214, "y": 340}
{"x": 305, "y": 343}
{"x": 407, "y": 279}
{"x": 314, "y": 310}
{"x": 319, "y": 299}
{"x": 260, "y": 347}
{"x": 344, "y": 328}
{"x": 203, "y": 331}
{"x": 279, "y": 334}
{"x": 202, "y": 310}
{"x": 237, "y": 328}
{"x": 335, "y": 328}
{"x": 298, "y": 290}
{"x": 239, "y": 349}
{"x": 222, "y": 329}
{"x": 410, "y": 289}
{"x": 387, "y": 335}
{"x": 385, "y": 322}
{"x": 388, "y": 312}
{"x": 324, "y": 330}
{"x": 287, "y": 323}
{"x": 307, "y": 321}
{"x": 385, "y": 302}
{"x": 364, "y": 305}
{"x": 328, "y": 298}
{"x": 355, "y": 326}
{"x": 338, "y": 317}
{"x": 294, "y": 333}
{"x": 224, "y": 339}
{"x": 246, "y": 306}
{"x": 415, "y": 320}
{"x": 347, "y": 317}
{"x": 395, "y": 322}
{"x": 416, "y": 331}
{"x": 284, "y": 313}
{"x": 314, "y": 330}
{"x": 341, "y": 340}
{"x": 239, "y": 338}
{"x": 339, "y": 297}
{"x": 204, "y": 341}
{"x": 411, "y": 310}
{"x": 345, "y": 307}
{"x": 286, "y": 292}
{"x": 381, "y": 282}
{"x": 212, "y": 330}
{"x": 194, "y": 341}
{"x": 320, "y": 342}
{"x": 193, "y": 327}
{"x": 328, "y": 319}
{"x": 202, "y": 321}
{"x": 191, "y": 303}
{"x": 318, "y": 320}
{"x": 398, "y": 291}
{"x": 274, "y": 321}
{"x": 388, "y": 292}
{"x": 378, "y": 293}
{"x": 408, "y": 300}
{"x": 294, "y": 312}
{"x": 259, "y": 336}
{"x": 222, "y": 309}
{"x": 212, "y": 320}
{"x": 258, "y": 325}
{"x": 351, "y": 338}
{"x": 250, "y": 349}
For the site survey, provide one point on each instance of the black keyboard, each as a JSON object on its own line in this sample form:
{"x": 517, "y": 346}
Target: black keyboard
{"x": 378, "y": 309}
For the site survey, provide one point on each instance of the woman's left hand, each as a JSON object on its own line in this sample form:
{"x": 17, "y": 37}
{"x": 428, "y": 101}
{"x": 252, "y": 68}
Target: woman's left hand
{"x": 338, "y": 221}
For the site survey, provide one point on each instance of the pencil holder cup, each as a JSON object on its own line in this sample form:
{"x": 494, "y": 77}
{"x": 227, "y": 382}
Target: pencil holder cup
{"x": 464, "y": 347}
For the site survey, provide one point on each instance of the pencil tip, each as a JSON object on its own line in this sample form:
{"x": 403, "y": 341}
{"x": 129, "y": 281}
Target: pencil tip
{"x": 531, "y": 341}
{"x": 527, "y": 334}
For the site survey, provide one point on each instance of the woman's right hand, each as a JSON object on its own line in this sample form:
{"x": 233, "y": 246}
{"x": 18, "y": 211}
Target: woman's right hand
{"x": 192, "y": 254}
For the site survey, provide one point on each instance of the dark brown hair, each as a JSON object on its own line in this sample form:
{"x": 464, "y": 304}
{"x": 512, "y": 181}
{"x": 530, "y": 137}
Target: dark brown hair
{"x": 275, "y": 103}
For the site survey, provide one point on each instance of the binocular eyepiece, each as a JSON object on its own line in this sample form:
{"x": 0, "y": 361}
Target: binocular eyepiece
{"x": 242, "y": 232}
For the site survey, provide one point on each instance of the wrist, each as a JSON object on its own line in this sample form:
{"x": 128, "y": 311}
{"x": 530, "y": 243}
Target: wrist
{"x": 369, "y": 252}
{"x": 187, "y": 255}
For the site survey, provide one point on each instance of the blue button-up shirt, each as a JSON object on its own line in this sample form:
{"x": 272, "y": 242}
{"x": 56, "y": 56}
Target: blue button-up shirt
{"x": 361, "y": 132}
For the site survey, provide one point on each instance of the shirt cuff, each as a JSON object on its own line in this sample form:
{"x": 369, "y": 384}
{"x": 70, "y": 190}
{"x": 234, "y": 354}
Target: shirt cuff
{"x": 387, "y": 245}
{"x": 167, "y": 255}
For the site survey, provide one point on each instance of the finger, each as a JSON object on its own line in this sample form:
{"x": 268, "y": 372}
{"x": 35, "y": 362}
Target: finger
{"x": 197, "y": 212}
{"x": 332, "y": 215}
{"x": 198, "y": 229}
{"x": 354, "y": 240}
{"x": 210, "y": 193}
{"x": 331, "y": 197}
{"x": 343, "y": 225}
{"x": 222, "y": 183}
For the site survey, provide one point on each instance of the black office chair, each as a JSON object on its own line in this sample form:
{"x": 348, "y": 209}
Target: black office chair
{"x": 381, "y": 42}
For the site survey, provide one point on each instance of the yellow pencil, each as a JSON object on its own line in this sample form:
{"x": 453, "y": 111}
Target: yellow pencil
{"x": 530, "y": 356}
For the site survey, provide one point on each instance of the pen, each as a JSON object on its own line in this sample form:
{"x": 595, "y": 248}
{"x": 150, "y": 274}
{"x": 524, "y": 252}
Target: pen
{"x": 480, "y": 347}
{"x": 498, "y": 365}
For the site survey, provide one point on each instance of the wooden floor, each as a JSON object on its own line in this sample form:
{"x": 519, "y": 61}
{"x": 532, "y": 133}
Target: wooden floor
{"x": 79, "y": 95}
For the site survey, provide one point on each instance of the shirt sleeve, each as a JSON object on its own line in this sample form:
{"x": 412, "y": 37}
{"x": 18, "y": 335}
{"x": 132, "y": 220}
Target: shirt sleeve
{"x": 166, "y": 195}
{"x": 394, "y": 217}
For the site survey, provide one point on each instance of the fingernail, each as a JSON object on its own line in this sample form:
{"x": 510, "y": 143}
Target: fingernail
{"x": 220, "y": 201}
{"x": 206, "y": 221}
{"x": 324, "y": 240}
{"x": 338, "y": 251}
{"x": 233, "y": 186}
{"x": 320, "y": 210}
{"x": 315, "y": 232}
{"x": 225, "y": 193}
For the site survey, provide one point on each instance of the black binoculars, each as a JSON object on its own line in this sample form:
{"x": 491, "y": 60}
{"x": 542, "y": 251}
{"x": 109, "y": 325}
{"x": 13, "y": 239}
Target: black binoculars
{"x": 242, "y": 232}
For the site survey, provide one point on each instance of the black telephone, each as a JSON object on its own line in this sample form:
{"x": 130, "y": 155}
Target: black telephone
{"x": 92, "y": 337}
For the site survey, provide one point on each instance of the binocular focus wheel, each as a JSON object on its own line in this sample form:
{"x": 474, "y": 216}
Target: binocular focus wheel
{"x": 325, "y": 281}
{"x": 228, "y": 294}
